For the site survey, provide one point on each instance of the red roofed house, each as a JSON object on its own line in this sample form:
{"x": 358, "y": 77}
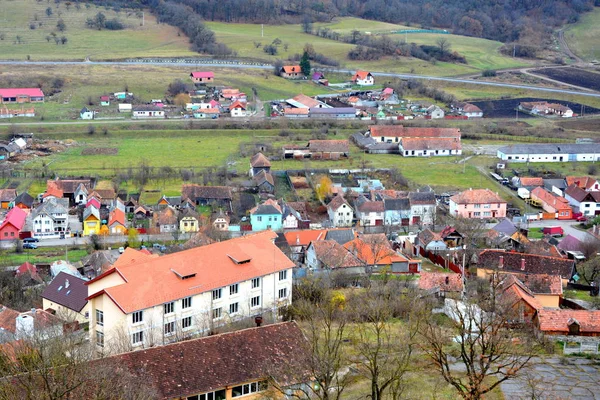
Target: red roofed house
{"x": 202, "y": 77}
{"x": 363, "y": 78}
{"x": 468, "y": 110}
{"x": 552, "y": 203}
{"x": 568, "y": 322}
{"x": 117, "y": 222}
{"x": 442, "y": 284}
{"x": 291, "y": 72}
{"x": 394, "y": 133}
{"x": 237, "y": 109}
{"x": 370, "y": 213}
{"x": 376, "y": 253}
{"x": 299, "y": 241}
{"x": 21, "y": 95}
{"x": 477, "y": 204}
{"x": 12, "y": 224}
{"x": 430, "y": 146}
{"x": 104, "y": 101}
{"x": 152, "y": 301}
{"x": 586, "y": 183}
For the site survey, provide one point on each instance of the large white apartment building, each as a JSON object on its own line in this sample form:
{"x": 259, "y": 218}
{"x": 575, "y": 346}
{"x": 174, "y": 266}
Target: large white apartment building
{"x": 146, "y": 301}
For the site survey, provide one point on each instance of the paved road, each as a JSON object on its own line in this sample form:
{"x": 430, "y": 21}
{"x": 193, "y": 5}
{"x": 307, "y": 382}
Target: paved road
{"x": 568, "y": 227}
{"x": 266, "y": 67}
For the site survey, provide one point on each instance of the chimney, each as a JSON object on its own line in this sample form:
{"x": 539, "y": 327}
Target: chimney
{"x": 501, "y": 262}
{"x": 522, "y": 264}
{"x": 258, "y": 320}
{"x": 66, "y": 283}
{"x": 298, "y": 240}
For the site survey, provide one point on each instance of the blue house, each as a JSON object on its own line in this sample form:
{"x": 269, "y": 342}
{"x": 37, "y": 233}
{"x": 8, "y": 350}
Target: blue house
{"x": 397, "y": 211}
{"x": 265, "y": 216}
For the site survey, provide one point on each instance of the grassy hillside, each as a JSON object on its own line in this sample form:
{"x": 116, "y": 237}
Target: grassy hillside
{"x": 245, "y": 38}
{"x": 19, "y": 40}
{"x": 583, "y": 37}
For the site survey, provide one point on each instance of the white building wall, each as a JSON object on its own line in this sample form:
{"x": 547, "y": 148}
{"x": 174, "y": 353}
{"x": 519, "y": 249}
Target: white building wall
{"x": 342, "y": 217}
{"x": 290, "y": 222}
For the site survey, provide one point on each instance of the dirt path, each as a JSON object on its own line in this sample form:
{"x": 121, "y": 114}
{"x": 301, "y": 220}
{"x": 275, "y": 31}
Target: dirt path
{"x": 565, "y": 47}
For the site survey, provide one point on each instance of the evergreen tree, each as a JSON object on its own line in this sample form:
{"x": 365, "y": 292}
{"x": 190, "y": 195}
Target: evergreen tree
{"x": 305, "y": 64}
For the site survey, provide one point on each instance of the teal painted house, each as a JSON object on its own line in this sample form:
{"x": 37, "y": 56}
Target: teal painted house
{"x": 265, "y": 216}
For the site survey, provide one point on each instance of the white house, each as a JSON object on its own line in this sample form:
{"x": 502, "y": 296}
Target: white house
{"x": 340, "y": 212}
{"x": 86, "y": 113}
{"x": 363, "y": 78}
{"x": 125, "y": 107}
{"x": 422, "y": 207}
{"x": 50, "y": 218}
{"x": 237, "y": 109}
{"x": 148, "y": 111}
{"x": 563, "y": 152}
{"x": 588, "y": 203}
{"x": 397, "y": 211}
{"x": 80, "y": 194}
{"x": 430, "y": 147}
{"x": 435, "y": 112}
{"x": 148, "y": 301}
{"x": 370, "y": 213}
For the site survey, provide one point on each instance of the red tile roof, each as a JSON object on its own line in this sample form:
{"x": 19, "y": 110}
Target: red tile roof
{"x": 304, "y": 237}
{"x": 152, "y": 281}
{"x": 526, "y": 263}
{"x": 14, "y": 92}
{"x": 552, "y": 200}
{"x": 477, "y": 196}
{"x": 28, "y": 268}
{"x": 260, "y": 161}
{"x": 361, "y": 75}
{"x": 427, "y": 143}
{"x": 306, "y": 100}
{"x": 290, "y": 69}
{"x": 337, "y": 202}
{"x": 237, "y": 104}
{"x": 117, "y": 216}
{"x": 584, "y": 182}
{"x": 405, "y": 132}
{"x": 374, "y": 249}
{"x": 540, "y": 283}
{"x": 531, "y": 181}
{"x": 296, "y": 111}
{"x": 446, "y": 282}
{"x": 333, "y": 255}
{"x": 551, "y": 320}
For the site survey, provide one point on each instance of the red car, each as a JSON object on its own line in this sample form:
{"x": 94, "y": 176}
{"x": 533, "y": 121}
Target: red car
{"x": 581, "y": 218}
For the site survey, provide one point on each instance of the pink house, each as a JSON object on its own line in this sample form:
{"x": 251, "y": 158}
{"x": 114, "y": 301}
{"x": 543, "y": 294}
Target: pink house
{"x": 478, "y": 203}
{"x": 12, "y": 225}
{"x": 202, "y": 77}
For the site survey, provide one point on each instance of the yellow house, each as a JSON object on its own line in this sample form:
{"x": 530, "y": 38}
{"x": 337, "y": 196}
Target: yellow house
{"x": 66, "y": 296}
{"x": 91, "y": 221}
{"x": 188, "y": 221}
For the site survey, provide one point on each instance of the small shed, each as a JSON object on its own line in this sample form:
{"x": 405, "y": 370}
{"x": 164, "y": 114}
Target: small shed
{"x": 104, "y": 101}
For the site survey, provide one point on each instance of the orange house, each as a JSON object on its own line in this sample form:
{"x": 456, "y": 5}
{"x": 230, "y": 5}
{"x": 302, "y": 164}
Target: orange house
{"x": 552, "y": 203}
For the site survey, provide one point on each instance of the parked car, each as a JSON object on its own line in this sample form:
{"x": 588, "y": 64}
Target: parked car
{"x": 29, "y": 246}
{"x": 31, "y": 240}
{"x": 581, "y": 218}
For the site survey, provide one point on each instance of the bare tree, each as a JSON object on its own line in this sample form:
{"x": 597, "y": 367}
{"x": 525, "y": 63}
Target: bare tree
{"x": 384, "y": 347}
{"x": 486, "y": 346}
{"x": 444, "y": 45}
{"x": 590, "y": 270}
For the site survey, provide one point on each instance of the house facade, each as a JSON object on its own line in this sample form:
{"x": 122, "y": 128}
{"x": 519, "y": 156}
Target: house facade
{"x": 13, "y": 224}
{"x": 50, "y": 218}
{"x": 363, "y": 78}
{"x": 588, "y": 203}
{"x": 91, "y": 221}
{"x": 478, "y": 204}
{"x": 86, "y": 113}
{"x": 21, "y": 95}
{"x": 152, "y": 301}
{"x": 430, "y": 147}
{"x": 563, "y": 152}
{"x": 238, "y": 109}
{"x": 552, "y": 203}
{"x": 340, "y": 212}
{"x": 397, "y": 211}
{"x": 66, "y": 295}
{"x": 422, "y": 207}
{"x": 266, "y": 216}
{"x": 148, "y": 111}
{"x": 291, "y": 72}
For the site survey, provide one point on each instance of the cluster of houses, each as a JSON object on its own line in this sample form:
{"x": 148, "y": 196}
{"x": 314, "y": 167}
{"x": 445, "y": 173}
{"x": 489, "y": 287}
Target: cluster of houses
{"x": 410, "y": 141}
{"x": 210, "y": 102}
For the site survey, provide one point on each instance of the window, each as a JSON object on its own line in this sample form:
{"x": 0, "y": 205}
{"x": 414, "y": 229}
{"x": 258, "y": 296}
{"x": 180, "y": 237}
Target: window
{"x": 255, "y": 302}
{"x": 249, "y": 388}
{"x": 217, "y": 293}
{"x": 170, "y": 328}
{"x": 234, "y": 289}
{"x": 186, "y": 322}
{"x": 186, "y": 303}
{"x": 216, "y": 313}
{"x": 282, "y": 293}
{"x": 477, "y": 206}
{"x": 100, "y": 339}
{"x": 216, "y": 395}
{"x": 486, "y": 206}
{"x": 283, "y": 275}
{"x": 255, "y": 283}
{"x": 137, "y": 317}
{"x": 259, "y": 218}
{"x": 477, "y": 213}
{"x": 169, "y": 308}
{"x": 234, "y": 308}
{"x": 487, "y": 214}
{"x": 138, "y": 337}
{"x": 99, "y": 318}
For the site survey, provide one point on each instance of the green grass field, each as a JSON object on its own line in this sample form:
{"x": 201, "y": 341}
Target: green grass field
{"x": 40, "y": 255}
{"x": 19, "y": 40}
{"x": 583, "y": 37}
{"x": 244, "y": 38}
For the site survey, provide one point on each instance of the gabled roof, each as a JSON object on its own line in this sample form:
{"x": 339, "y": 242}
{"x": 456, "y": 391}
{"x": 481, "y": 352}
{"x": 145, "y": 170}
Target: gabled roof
{"x": 206, "y": 74}
{"x": 304, "y": 237}
{"x": 581, "y": 195}
{"x": 396, "y": 204}
{"x": 306, "y": 101}
{"x": 531, "y": 263}
{"x": 68, "y": 185}
{"x": 551, "y": 320}
{"x": 337, "y": 202}
{"x": 194, "y": 192}
{"x": 182, "y": 369}
{"x": 260, "y": 161}
{"x": 584, "y": 182}
{"x": 374, "y": 249}
{"x": 167, "y": 216}
{"x": 361, "y": 75}
{"x": 151, "y": 281}
{"x": 237, "y": 104}
{"x": 49, "y": 207}
{"x": 28, "y": 268}
{"x": 263, "y": 177}
{"x": 68, "y": 291}
{"x": 342, "y": 236}
{"x": 15, "y": 217}
{"x": 8, "y": 194}
{"x": 25, "y": 199}
{"x": 269, "y": 207}
{"x": 14, "y": 92}
{"x": 421, "y": 198}
{"x": 540, "y": 283}
{"x": 333, "y": 255}
{"x": 147, "y": 107}
{"x": 117, "y": 216}
{"x": 371, "y": 206}
{"x": 550, "y": 198}
{"x": 446, "y": 282}
{"x": 506, "y": 227}
{"x": 477, "y": 196}
{"x": 91, "y": 211}
{"x": 290, "y": 69}
{"x": 514, "y": 291}
{"x": 531, "y": 181}
{"x": 414, "y": 132}
{"x": 295, "y": 111}
{"x": 336, "y": 146}
{"x": 570, "y": 243}
{"x": 427, "y": 236}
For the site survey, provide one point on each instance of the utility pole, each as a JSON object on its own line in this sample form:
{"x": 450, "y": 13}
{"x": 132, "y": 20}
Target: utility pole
{"x": 262, "y": 30}
{"x": 143, "y": 18}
